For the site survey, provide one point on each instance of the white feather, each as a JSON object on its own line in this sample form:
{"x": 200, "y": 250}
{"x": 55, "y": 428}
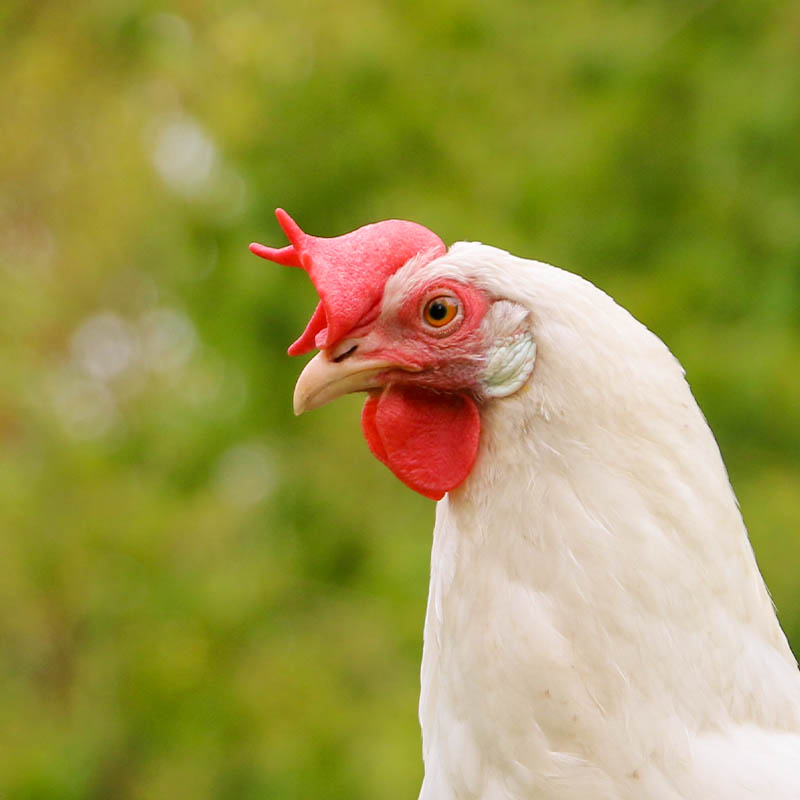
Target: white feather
{"x": 597, "y": 626}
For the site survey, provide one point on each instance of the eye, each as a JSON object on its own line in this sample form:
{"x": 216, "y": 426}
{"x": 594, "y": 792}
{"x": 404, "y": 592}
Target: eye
{"x": 439, "y": 311}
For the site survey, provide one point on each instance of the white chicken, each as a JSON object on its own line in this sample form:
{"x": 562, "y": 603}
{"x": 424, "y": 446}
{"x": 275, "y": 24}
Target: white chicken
{"x": 597, "y": 626}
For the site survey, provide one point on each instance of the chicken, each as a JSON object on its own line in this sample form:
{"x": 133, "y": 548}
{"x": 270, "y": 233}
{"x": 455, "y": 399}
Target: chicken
{"x": 597, "y": 626}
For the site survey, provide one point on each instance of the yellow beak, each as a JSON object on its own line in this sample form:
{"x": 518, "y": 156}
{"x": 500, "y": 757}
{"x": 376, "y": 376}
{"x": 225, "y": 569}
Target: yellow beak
{"x": 324, "y": 380}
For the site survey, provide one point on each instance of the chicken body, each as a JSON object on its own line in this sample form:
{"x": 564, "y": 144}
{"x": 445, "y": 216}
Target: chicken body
{"x": 597, "y": 626}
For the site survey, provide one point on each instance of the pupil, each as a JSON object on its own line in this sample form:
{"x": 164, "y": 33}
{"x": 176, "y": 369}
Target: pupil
{"x": 438, "y": 311}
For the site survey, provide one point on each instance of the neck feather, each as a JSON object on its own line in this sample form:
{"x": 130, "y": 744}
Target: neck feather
{"x": 586, "y": 578}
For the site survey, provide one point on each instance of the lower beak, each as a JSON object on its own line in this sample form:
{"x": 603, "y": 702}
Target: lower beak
{"x": 324, "y": 380}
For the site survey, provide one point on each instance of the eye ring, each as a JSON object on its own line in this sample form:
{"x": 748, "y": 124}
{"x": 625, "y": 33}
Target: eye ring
{"x": 441, "y": 310}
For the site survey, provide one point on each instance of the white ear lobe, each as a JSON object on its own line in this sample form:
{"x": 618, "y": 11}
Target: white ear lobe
{"x": 512, "y": 354}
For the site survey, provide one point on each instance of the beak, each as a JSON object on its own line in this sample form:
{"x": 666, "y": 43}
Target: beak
{"x": 324, "y": 380}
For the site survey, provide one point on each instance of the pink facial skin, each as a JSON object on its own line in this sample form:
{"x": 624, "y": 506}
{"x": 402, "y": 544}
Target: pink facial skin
{"x": 425, "y": 425}
{"x": 446, "y": 359}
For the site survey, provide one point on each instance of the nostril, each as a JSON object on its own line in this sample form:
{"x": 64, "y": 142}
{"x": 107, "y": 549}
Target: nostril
{"x": 346, "y": 353}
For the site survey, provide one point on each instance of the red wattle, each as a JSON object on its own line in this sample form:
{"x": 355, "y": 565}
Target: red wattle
{"x": 429, "y": 440}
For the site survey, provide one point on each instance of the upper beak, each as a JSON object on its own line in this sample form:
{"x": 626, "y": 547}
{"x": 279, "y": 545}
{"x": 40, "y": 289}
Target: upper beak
{"x": 324, "y": 380}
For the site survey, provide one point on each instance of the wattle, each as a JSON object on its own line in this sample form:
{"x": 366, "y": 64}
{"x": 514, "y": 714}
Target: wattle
{"x": 428, "y": 439}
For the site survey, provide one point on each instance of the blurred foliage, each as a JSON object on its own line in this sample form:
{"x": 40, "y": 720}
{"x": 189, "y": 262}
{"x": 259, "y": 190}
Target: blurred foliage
{"x": 201, "y": 596}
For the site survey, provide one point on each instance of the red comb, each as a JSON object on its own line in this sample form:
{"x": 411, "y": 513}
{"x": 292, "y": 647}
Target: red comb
{"x": 349, "y": 272}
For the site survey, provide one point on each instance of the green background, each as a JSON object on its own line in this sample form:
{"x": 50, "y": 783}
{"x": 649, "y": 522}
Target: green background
{"x": 204, "y": 597}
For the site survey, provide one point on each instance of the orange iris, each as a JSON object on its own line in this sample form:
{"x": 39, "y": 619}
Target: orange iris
{"x": 440, "y": 310}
